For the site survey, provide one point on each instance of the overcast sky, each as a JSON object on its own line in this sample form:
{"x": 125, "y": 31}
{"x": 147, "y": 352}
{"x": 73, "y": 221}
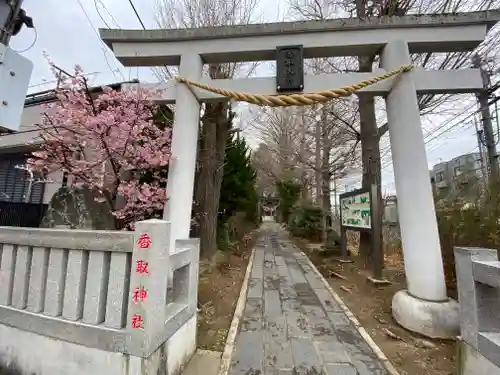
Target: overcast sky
{"x": 67, "y": 31}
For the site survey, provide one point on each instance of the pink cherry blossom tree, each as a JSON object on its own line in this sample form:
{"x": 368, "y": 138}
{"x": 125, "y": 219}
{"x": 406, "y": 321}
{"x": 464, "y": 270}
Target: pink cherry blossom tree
{"x": 107, "y": 141}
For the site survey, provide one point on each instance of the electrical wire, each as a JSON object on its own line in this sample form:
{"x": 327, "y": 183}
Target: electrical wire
{"x": 100, "y": 15}
{"x": 98, "y": 37}
{"x": 55, "y": 80}
{"x": 387, "y": 148}
{"x": 137, "y": 14}
{"x": 31, "y": 45}
{"x": 458, "y": 123}
{"x": 103, "y": 6}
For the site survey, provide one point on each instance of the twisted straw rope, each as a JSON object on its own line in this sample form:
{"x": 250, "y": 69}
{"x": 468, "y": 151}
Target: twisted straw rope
{"x": 296, "y": 99}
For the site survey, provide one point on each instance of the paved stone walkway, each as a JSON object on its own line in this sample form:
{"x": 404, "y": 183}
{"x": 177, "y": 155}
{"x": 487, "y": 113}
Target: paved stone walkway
{"x": 291, "y": 324}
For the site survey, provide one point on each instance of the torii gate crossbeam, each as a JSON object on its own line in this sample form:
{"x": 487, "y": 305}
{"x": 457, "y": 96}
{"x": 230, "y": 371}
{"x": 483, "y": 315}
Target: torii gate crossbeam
{"x": 424, "y": 307}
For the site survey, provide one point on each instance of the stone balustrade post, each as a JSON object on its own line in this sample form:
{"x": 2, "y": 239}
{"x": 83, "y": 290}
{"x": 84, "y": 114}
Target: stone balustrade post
{"x": 148, "y": 282}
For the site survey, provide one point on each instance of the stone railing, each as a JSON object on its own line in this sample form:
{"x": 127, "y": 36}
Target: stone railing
{"x": 101, "y": 289}
{"x": 478, "y": 280}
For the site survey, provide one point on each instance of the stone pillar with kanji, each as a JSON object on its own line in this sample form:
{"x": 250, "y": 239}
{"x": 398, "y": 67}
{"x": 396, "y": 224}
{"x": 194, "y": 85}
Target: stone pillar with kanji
{"x": 148, "y": 281}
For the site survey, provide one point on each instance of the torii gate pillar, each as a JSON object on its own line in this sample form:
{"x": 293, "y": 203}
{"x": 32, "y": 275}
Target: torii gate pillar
{"x": 184, "y": 147}
{"x": 424, "y": 307}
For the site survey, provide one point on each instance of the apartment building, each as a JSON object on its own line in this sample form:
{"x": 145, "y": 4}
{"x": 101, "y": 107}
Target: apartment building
{"x": 457, "y": 172}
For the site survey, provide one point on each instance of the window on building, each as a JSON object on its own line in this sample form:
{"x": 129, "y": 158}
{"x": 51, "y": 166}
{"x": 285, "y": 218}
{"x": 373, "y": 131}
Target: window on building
{"x": 439, "y": 176}
{"x": 15, "y": 182}
{"x": 457, "y": 171}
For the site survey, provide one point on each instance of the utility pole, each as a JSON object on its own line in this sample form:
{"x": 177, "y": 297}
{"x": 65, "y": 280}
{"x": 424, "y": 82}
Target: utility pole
{"x": 484, "y": 109}
{"x": 480, "y": 146}
{"x": 11, "y": 19}
{"x": 15, "y": 70}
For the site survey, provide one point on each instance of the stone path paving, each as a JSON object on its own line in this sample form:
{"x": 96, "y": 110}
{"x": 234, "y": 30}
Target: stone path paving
{"x": 291, "y": 324}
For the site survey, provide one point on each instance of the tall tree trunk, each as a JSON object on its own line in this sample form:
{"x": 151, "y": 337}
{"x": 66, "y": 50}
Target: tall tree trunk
{"x": 211, "y": 168}
{"x": 224, "y": 123}
{"x": 206, "y": 165}
{"x": 303, "y": 172}
{"x": 370, "y": 153}
{"x": 326, "y": 205}
{"x": 317, "y": 161}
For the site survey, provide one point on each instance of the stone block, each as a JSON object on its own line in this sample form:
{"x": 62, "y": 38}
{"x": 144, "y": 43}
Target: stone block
{"x": 7, "y": 267}
{"x": 332, "y": 351}
{"x": 297, "y": 325}
{"x": 341, "y": 369}
{"x": 305, "y": 358}
{"x": 272, "y": 303}
{"x": 56, "y": 279}
{"x": 75, "y": 284}
{"x": 338, "y": 319}
{"x": 252, "y": 315}
{"x": 255, "y": 288}
{"x": 327, "y": 300}
{"x": 321, "y": 329}
{"x": 21, "y": 277}
{"x": 94, "y": 307}
{"x": 118, "y": 290}
{"x": 248, "y": 358}
{"x": 38, "y": 279}
{"x": 296, "y": 273}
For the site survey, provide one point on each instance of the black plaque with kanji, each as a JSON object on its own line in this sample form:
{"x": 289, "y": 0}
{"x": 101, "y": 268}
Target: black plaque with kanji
{"x": 289, "y": 68}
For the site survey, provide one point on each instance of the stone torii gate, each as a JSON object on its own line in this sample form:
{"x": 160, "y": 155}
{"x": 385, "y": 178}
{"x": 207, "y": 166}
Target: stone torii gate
{"x": 424, "y": 307}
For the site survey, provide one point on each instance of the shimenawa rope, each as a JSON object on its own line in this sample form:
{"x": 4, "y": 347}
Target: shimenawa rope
{"x": 296, "y": 99}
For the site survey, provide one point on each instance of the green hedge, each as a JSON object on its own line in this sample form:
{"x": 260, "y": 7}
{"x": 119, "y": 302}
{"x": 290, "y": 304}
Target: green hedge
{"x": 305, "y": 222}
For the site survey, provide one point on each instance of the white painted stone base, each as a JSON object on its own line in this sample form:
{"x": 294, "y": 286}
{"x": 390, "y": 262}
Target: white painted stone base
{"x": 431, "y": 319}
{"x": 470, "y": 362}
{"x": 34, "y": 354}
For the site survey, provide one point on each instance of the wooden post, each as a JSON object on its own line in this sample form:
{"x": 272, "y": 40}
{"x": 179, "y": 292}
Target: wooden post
{"x": 376, "y": 233}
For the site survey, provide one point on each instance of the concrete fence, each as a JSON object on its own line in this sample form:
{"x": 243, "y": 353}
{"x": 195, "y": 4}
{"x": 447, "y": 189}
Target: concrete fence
{"x": 104, "y": 294}
{"x": 478, "y": 279}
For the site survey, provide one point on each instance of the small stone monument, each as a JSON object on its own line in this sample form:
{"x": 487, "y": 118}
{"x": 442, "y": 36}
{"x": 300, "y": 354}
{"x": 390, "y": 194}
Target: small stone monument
{"x": 79, "y": 208}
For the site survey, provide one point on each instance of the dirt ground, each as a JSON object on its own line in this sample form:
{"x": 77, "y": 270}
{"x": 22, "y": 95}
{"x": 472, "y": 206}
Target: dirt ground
{"x": 218, "y": 292}
{"x": 408, "y": 352}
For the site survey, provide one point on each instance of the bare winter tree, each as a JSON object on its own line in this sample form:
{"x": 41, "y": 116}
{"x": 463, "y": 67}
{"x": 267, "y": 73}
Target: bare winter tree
{"x": 217, "y": 117}
{"x": 370, "y": 133}
{"x": 309, "y": 147}
{"x": 266, "y": 168}
{"x": 284, "y": 144}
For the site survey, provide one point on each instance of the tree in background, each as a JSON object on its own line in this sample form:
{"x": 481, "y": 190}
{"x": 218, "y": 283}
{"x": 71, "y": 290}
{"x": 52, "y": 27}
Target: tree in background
{"x": 289, "y": 194}
{"x": 310, "y": 145}
{"x": 107, "y": 142}
{"x": 238, "y": 192}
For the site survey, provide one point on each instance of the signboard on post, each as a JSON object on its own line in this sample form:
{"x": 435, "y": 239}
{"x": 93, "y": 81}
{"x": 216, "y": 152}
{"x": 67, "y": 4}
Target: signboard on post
{"x": 360, "y": 211}
{"x": 356, "y": 210}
